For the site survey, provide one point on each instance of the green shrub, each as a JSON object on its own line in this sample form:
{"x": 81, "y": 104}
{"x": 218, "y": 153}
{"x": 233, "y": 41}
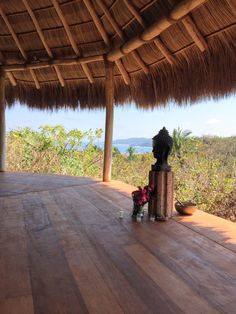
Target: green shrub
{"x": 205, "y": 168}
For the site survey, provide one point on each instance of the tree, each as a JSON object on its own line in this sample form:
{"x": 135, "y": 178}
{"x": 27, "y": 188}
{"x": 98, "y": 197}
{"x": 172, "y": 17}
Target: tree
{"x": 131, "y": 152}
{"x": 179, "y": 139}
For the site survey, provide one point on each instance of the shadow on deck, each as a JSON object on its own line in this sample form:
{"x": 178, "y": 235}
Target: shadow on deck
{"x": 63, "y": 249}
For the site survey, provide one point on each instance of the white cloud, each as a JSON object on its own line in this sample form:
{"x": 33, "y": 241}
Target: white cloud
{"x": 213, "y": 121}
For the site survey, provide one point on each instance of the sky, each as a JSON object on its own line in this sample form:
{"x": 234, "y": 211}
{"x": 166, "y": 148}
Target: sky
{"x": 205, "y": 118}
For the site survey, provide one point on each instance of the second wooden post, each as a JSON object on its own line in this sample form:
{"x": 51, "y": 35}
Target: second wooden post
{"x": 109, "y": 121}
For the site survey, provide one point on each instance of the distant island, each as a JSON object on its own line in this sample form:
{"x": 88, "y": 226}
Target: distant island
{"x": 134, "y": 141}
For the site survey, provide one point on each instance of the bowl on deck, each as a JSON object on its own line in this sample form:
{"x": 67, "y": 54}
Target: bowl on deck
{"x": 185, "y": 208}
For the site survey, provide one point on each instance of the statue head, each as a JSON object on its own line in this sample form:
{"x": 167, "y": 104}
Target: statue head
{"x": 162, "y": 144}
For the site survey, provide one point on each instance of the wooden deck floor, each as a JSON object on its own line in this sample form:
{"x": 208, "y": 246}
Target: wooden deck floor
{"x": 63, "y": 249}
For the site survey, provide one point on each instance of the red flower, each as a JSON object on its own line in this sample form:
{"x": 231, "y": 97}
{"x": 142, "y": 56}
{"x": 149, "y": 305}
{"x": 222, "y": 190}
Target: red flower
{"x": 142, "y": 196}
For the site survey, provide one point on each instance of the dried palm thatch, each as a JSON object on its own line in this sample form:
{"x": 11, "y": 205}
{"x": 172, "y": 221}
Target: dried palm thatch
{"x": 43, "y": 42}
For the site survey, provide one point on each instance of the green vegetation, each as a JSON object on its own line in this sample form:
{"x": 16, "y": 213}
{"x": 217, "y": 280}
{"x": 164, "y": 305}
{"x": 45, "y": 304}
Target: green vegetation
{"x": 205, "y": 168}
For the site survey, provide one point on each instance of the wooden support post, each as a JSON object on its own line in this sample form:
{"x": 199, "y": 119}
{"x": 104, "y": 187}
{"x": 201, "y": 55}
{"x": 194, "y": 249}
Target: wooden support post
{"x": 2, "y": 121}
{"x": 161, "y": 204}
{"x": 109, "y": 121}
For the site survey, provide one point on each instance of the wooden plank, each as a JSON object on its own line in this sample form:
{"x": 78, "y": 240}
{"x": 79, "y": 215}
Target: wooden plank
{"x": 19, "y": 305}
{"x": 160, "y": 194}
{"x": 54, "y": 289}
{"x": 169, "y": 194}
{"x": 204, "y": 248}
{"x": 86, "y": 212}
{"x": 111, "y": 237}
{"x": 19, "y": 183}
{"x": 184, "y": 297}
{"x": 92, "y": 267}
{"x": 82, "y": 266}
{"x": 199, "y": 274}
{"x": 74, "y": 242}
{"x": 14, "y": 268}
{"x": 215, "y": 228}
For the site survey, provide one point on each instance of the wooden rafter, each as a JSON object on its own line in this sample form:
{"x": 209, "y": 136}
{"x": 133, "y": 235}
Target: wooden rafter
{"x": 52, "y": 62}
{"x": 194, "y": 32}
{"x": 18, "y": 44}
{"x": 9, "y": 74}
{"x": 164, "y": 50}
{"x": 43, "y": 40}
{"x": 110, "y": 18}
{"x": 105, "y": 37}
{"x": 96, "y": 58}
{"x": 182, "y": 9}
{"x": 60, "y": 14}
{"x": 121, "y": 34}
{"x": 134, "y": 12}
{"x": 35, "y": 79}
{"x": 97, "y": 21}
{"x": 123, "y": 72}
{"x": 11, "y": 78}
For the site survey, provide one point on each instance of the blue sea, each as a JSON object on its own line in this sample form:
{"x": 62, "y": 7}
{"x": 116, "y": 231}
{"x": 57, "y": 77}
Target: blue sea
{"x": 138, "y": 149}
{"x": 123, "y": 148}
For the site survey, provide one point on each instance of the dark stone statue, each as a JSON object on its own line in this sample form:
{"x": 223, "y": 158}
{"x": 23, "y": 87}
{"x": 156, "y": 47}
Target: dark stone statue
{"x": 162, "y": 144}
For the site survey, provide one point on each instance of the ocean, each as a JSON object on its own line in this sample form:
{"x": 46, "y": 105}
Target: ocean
{"x": 138, "y": 149}
{"x": 123, "y": 148}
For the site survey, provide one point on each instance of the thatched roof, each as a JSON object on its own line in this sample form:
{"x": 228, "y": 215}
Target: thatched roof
{"x": 43, "y": 41}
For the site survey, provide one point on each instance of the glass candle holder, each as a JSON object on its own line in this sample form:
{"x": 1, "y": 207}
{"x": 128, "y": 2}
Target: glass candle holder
{"x": 152, "y": 218}
{"x": 121, "y": 214}
{"x": 138, "y": 218}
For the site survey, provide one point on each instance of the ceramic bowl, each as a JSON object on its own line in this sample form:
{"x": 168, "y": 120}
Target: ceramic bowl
{"x": 185, "y": 208}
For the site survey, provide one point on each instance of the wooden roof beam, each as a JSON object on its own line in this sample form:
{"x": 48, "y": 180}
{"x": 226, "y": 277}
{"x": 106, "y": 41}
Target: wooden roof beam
{"x": 159, "y": 44}
{"x": 36, "y": 82}
{"x": 60, "y": 14}
{"x": 121, "y": 34}
{"x": 52, "y": 62}
{"x": 9, "y": 74}
{"x": 11, "y": 78}
{"x": 43, "y": 40}
{"x": 134, "y": 12}
{"x": 194, "y": 32}
{"x": 97, "y": 21}
{"x": 18, "y": 44}
{"x": 123, "y": 72}
{"x": 110, "y": 18}
{"x": 164, "y": 50}
{"x": 105, "y": 37}
{"x": 12, "y": 32}
{"x": 150, "y": 33}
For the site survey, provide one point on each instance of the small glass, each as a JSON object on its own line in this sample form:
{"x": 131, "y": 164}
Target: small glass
{"x": 138, "y": 218}
{"x": 121, "y": 216}
{"x": 152, "y": 218}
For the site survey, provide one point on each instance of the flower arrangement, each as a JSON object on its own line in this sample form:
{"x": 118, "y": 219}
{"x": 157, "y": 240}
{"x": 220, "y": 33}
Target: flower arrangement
{"x": 140, "y": 198}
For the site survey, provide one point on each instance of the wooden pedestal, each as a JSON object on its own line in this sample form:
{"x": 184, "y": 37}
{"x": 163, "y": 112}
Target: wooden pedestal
{"x": 161, "y": 204}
